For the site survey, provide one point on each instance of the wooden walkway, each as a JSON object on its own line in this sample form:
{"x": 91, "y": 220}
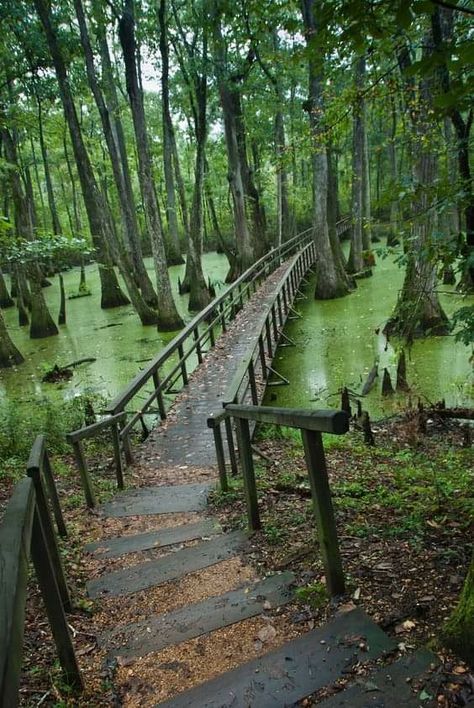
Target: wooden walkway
{"x": 184, "y": 619}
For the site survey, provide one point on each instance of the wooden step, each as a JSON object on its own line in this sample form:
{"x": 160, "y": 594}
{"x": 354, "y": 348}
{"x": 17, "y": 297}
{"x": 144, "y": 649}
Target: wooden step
{"x": 297, "y": 669}
{"x": 159, "y": 631}
{"x": 391, "y": 686}
{"x": 113, "y": 547}
{"x": 172, "y": 566}
{"x": 159, "y": 500}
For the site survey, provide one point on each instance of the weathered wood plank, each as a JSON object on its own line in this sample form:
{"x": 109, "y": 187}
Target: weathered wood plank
{"x": 170, "y": 567}
{"x": 15, "y": 535}
{"x": 324, "y": 421}
{"x": 159, "y": 500}
{"x": 289, "y": 674}
{"x": 159, "y": 631}
{"x": 113, "y": 547}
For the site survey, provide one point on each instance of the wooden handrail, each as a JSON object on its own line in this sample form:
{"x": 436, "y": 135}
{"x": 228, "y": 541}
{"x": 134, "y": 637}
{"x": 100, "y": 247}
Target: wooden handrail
{"x": 137, "y": 383}
{"x": 27, "y": 532}
{"x": 323, "y": 421}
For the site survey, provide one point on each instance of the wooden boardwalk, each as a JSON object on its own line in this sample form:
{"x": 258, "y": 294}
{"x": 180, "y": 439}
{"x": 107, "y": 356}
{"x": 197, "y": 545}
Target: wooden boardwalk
{"x": 184, "y": 619}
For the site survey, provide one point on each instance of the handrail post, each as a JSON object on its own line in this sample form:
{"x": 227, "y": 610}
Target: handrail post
{"x": 261, "y": 353}
{"x": 268, "y": 333}
{"x": 53, "y": 495}
{"x": 198, "y": 345}
{"x": 182, "y": 362}
{"x": 220, "y": 457}
{"x": 248, "y": 473}
{"x": 42, "y": 509}
{"x": 159, "y": 395}
{"x": 45, "y": 573}
{"x": 117, "y": 455}
{"x": 230, "y": 445}
{"x": 253, "y": 383}
{"x": 323, "y": 509}
{"x": 84, "y": 473}
{"x": 223, "y": 321}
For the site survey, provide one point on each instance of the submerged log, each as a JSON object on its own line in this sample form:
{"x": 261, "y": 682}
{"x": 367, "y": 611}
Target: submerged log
{"x": 374, "y": 372}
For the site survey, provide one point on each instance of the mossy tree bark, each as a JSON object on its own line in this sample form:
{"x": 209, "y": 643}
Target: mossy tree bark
{"x": 330, "y": 281}
{"x": 96, "y": 207}
{"x": 41, "y": 324}
{"x": 5, "y": 299}
{"x": 458, "y": 633}
{"x": 229, "y": 98}
{"x": 9, "y": 354}
{"x": 418, "y": 311}
{"x": 356, "y": 262}
{"x": 173, "y": 245}
{"x": 195, "y": 73}
{"x": 168, "y": 317}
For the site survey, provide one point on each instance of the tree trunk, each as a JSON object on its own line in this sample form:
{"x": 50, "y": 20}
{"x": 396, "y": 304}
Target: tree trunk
{"x": 131, "y": 232}
{"x": 9, "y": 354}
{"x": 168, "y": 317}
{"x": 77, "y": 230}
{"x": 356, "y": 259}
{"x": 286, "y": 223}
{"x": 458, "y": 633}
{"x": 244, "y": 246}
{"x": 393, "y": 235}
{"x": 101, "y": 232}
{"x": 62, "y": 302}
{"x": 124, "y": 255}
{"x": 47, "y": 174}
{"x": 330, "y": 283}
{"x": 418, "y": 311}
{"x": 366, "y": 200}
{"x": 5, "y": 299}
{"x": 174, "y": 249}
{"x": 42, "y": 324}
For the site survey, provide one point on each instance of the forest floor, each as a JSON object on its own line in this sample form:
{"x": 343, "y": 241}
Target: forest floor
{"x": 404, "y": 511}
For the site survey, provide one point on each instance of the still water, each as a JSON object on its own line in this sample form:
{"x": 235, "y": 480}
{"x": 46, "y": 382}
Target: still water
{"x": 116, "y": 338}
{"x": 337, "y": 345}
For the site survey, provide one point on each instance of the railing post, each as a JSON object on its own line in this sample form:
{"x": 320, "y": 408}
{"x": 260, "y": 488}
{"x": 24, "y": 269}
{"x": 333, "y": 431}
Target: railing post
{"x": 198, "y": 345}
{"x": 212, "y": 339}
{"x": 182, "y": 362}
{"x": 159, "y": 395}
{"x": 274, "y": 324}
{"x": 261, "y": 353}
{"x": 268, "y": 334}
{"x": 45, "y": 573}
{"x": 230, "y": 445}
{"x": 117, "y": 454}
{"x": 223, "y": 321}
{"x": 253, "y": 383}
{"x": 322, "y": 503}
{"x": 248, "y": 472}
{"x": 127, "y": 450}
{"x": 53, "y": 496}
{"x": 216, "y": 430}
{"x": 49, "y": 536}
{"x": 84, "y": 472}
{"x": 285, "y": 299}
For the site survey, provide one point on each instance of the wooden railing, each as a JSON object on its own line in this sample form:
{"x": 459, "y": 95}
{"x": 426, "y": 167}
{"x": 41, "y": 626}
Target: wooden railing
{"x": 312, "y": 424}
{"x": 77, "y": 436}
{"x": 255, "y": 369}
{"x": 27, "y": 532}
{"x": 169, "y": 371}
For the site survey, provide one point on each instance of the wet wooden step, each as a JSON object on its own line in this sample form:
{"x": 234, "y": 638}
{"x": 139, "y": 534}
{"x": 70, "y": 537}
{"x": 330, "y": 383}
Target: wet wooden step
{"x": 173, "y": 565}
{"x": 113, "y": 547}
{"x": 390, "y": 686}
{"x": 297, "y": 669}
{"x": 159, "y": 631}
{"x": 159, "y": 500}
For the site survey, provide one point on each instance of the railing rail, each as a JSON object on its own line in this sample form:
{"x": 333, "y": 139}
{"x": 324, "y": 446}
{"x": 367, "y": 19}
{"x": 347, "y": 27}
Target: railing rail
{"x": 27, "y": 532}
{"x": 312, "y": 424}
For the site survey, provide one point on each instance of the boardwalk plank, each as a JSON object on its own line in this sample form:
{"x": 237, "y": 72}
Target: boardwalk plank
{"x": 113, "y": 547}
{"x": 289, "y": 674}
{"x": 172, "y": 566}
{"x": 159, "y": 500}
{"x": 159, "y": 631}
